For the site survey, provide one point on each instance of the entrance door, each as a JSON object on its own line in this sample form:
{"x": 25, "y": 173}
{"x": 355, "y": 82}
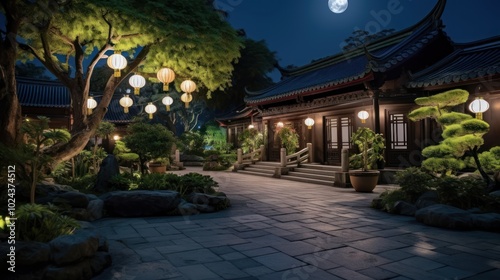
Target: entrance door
{"x": 338, "y": 136}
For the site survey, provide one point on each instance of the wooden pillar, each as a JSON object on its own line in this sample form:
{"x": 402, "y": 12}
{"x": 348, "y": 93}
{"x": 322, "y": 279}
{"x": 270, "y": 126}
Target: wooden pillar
{"x": 376, "y": 111}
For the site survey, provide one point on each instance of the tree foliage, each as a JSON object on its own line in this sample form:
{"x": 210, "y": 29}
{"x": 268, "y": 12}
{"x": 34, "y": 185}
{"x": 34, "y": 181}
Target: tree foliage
{"x": 71, "y": 37}
{"x": 462, "y": 134}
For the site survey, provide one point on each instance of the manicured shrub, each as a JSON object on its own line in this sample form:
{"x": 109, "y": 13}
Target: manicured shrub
{"x": 414, "y": 182}
{"x": 464, "y": 193}
{"x": 390, "y": 197}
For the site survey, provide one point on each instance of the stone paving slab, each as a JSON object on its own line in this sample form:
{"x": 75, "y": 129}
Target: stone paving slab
{"x": 279, "y": 229}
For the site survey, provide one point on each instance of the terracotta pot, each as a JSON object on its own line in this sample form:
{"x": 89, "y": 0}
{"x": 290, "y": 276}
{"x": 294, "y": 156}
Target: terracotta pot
{"x": 364, "y": 181}
{"x": 157, "y": 168}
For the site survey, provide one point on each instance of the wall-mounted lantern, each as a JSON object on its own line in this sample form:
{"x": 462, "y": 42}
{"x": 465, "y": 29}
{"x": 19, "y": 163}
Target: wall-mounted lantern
{"x": 363, "y": 115}
{"x": 478, "y": 107}
{"x": 309, "y": 122}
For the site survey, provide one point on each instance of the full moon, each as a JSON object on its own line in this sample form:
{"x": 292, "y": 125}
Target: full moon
{"x": 337, "y": 6}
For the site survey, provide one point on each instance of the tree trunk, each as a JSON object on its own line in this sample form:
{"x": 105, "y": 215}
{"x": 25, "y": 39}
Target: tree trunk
{"x": 10, "y": 110}
{"x": 485, "y": 176}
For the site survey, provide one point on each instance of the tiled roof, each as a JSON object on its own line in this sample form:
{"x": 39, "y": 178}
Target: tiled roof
{"x": 42, "y": 93}
{"x": 355, "y": 66}
{"x": 469, "y": 61}
{"x": 53, "y": 94}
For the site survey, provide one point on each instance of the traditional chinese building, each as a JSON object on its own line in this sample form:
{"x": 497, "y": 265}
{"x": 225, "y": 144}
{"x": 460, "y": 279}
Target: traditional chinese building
{"x": 382, "y": 78}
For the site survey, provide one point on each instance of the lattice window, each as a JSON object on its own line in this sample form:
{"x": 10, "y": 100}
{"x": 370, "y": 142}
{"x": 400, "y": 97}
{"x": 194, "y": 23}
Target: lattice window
{"x": 399, "y": 131}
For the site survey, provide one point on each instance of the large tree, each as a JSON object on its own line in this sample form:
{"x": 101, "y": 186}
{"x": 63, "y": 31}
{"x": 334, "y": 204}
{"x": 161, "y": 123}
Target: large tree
{"x": 71, "y": 37}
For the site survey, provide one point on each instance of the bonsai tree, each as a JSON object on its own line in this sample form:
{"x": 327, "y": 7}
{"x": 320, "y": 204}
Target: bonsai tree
{"x": 289, "y": 139}
{"x": 149, "y": 141}
{"x": 371, "y": 146}
{"x": 462, "y": 134}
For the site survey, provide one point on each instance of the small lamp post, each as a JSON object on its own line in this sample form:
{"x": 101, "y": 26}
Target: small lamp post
{"x": 91, "y": 104}
{"x": 309, "y": 122}
{"x": 363, "y": 115}
{"x": 478, "y": 107}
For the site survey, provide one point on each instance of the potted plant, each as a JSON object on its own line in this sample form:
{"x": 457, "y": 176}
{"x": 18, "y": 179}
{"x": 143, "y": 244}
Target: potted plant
{"x": 371, "y": 147}
{"x": 159, "y": 165}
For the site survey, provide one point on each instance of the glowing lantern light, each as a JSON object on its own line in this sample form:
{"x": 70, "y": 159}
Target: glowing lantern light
{"x": 126, "y": 102}
{"x": 137, "y": 82}
{"x": 251, "y": 126}
{"x": 309, "y": 122}
{"x": 91, "y": 104}
{"x": 188, "y": 86}
{"x": 478, "y": 107}
{"x": 167, "y": 101}
{"x": 280, "y": 125}
{"x": 117, "y": 62}
{"x": 363, "y": 115}
{"x": 150, "y": 109}
{"x": 166, "y": 76}
{"x": 186, "y": 98}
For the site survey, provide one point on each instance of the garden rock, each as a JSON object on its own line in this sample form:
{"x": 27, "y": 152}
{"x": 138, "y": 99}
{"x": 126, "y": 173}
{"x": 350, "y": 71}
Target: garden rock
{"x": 205, "y": 199}
{"x": 204, "y": 208}
{"x": 404, "y": 208}
{"x": 187, "y": 209}
{"x": 140, "y": 203}
{"x": 427, "y": 199}
{"x": 445, "y": 216}
{"x": 192, "y": 160}
{"x": 80, "y": 214}
{"x": 32, "y": 253}
{"x": 487, "y": 221}
{"x": 109, "y": 168}
{"x": 95, "y": 209}
{"x": 71, "y": 248}
{"x": 495, "y": 194}
{"x": 77, "y": 271}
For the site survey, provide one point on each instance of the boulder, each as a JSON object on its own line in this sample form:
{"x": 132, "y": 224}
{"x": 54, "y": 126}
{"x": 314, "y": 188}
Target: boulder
{"x": 67, "y": 249}
{"x": 404, "y": 208}
{"x": 187, "y": 209}
{"x": 95, "y": 209}
{"x": 140, "y": 203}
{"x": 487, "y": 221}
{"x": 77, "y": 271}
{"x": 109, "y": 168}
{"x": 445, "y": 216}
{"x": 205, "y": 199}
{"x": 99, "y": 262}
{"x": 427, "y": 199}
{"x": 80, "y": 214}
{"x": 204, "y": 208}
{"x": 32, "y": 253}
{"x": 495, "y": 194}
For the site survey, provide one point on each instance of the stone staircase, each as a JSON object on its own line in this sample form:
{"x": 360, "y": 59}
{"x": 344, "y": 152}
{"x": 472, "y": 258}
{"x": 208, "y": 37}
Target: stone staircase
{"x": 307, "y": 173}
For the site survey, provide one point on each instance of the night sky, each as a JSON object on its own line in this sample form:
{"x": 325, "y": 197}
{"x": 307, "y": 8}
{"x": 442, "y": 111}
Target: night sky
{"x": 302, "y": 30}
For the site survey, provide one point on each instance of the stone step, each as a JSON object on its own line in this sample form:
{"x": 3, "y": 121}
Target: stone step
{"x": 261, "y": 169}
{"x": 308, "y": 175}
{"x": 307, "y": 180}
{"x": 244, "y": 171}
{"x": 313, "y": 171}
{"x": 321, "y": 167}
{"x": 267, "y": 163}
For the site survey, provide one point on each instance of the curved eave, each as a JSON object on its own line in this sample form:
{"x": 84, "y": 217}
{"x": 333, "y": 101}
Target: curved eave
{"x": 312, "y": 90}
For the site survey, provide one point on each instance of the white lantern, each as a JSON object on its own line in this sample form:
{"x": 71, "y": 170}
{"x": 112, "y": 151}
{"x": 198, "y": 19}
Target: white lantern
{"x": 91, "y": 104}
{"x": 137, "y": 82}
{"x": 280, "y": 125}
{"x": 186, "y": 98}
{"x": 150, "y": 109}
{"x": 309, "y": 122}
{"x": 126, "y": 102}
{"x": 167, "y": 101}
{"x": 251, "y": 126}
{"x": 363, "y": 115}
{"x": 188, "y": 86}
{"x": 166, "y": 76}
{"x": 117, "y": 62}
{"x": 478, "y": 107}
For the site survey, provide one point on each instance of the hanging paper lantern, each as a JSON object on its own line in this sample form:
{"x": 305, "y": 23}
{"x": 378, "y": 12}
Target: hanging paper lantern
{"x": 186, "y": 98}
{"x": 363, "y": 115}
{"x": 91, "y": 104}
{"x": 478, "y": 107}
{"x": 188, "y": 86}
{"x": 126, "y": 102}
{"x": 166, "y": 76}
{"x": 137, "y": 82}
{"x": 167, "y": 101}
{"x": 309, "y": 122}
{"x": 150, "y": 109}
{"x": 117, "y": 62}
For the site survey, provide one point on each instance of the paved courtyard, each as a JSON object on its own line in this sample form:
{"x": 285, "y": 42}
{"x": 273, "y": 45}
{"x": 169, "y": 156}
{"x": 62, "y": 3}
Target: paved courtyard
{"x": 279, "y": 229}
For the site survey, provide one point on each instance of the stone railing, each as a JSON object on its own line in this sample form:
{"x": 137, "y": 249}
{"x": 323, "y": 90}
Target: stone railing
{"x": 252, "y": 157}
{"x": 304, "y": 155}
